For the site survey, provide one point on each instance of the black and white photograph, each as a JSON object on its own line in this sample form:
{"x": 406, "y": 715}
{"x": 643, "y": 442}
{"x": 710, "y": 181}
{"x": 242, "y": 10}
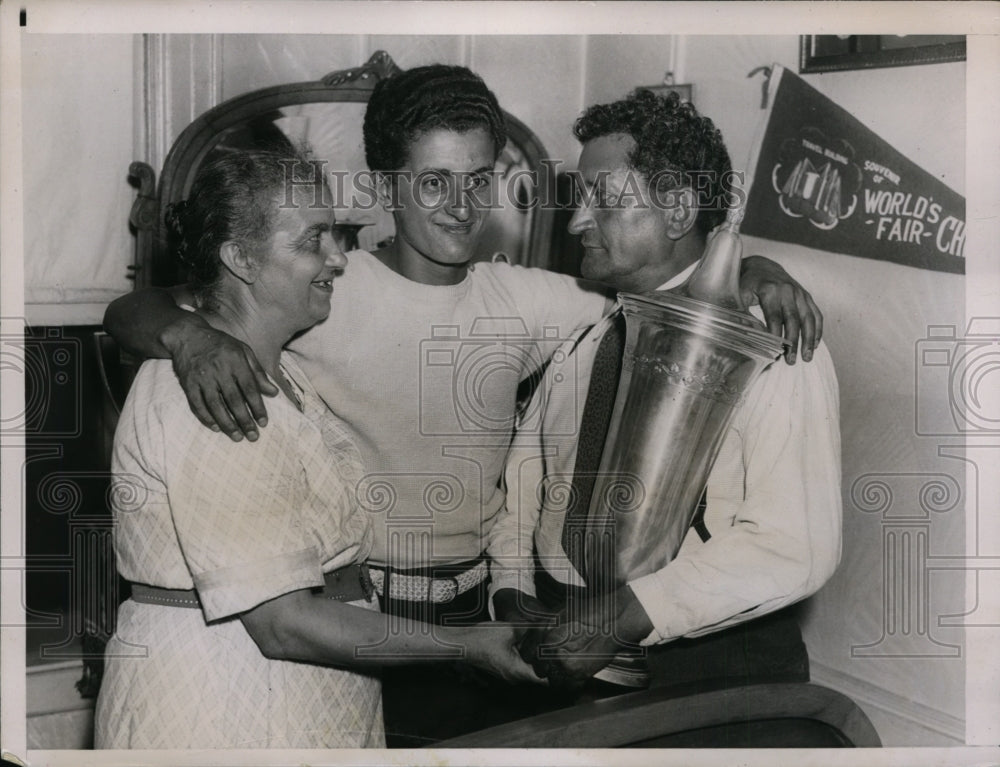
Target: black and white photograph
{"x": 492, "y": 383}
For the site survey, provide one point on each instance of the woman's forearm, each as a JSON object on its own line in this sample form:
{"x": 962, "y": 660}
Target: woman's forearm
{"x": 302, "y": 626}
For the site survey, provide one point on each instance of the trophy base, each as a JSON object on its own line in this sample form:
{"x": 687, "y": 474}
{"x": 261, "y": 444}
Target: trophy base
{"x": 626, "y": 671}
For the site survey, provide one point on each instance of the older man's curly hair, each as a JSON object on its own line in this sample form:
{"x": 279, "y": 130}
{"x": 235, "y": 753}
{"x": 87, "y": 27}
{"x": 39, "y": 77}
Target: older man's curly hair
{"x": 672, "y": 140}
{"x": 408, "y": 104}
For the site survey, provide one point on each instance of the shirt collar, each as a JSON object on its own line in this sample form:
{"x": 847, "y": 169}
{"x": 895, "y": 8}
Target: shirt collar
{"x": 680, "y": 278}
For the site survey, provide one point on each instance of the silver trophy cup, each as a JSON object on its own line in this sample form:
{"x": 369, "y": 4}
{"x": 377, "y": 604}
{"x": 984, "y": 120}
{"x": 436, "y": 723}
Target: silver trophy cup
{"x": 687, "y": 365}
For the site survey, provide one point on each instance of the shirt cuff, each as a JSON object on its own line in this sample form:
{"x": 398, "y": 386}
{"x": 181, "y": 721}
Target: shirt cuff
{"x": 648, "y": 591}
{"x": 519, "y": 578}
{"x": 232, "y": 590}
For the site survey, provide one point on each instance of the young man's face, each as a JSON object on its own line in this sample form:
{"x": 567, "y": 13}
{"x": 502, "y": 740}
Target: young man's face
{"x": 624, "y": 230}
{"x": 442, "y": 196}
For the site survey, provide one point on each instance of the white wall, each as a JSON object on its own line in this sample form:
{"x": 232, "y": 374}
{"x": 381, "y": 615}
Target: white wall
{"x": 876, "y": 314}
{"x": 618, "y": 63}
{"x": 78, "y": 143}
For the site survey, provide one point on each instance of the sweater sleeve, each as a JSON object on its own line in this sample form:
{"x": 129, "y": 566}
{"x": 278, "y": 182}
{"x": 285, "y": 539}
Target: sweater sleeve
{"x": 566, "y": 303}
{"x": 553, "y": 307}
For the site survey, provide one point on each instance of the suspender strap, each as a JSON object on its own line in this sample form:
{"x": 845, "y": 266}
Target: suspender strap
{"x": 699, "y": 518}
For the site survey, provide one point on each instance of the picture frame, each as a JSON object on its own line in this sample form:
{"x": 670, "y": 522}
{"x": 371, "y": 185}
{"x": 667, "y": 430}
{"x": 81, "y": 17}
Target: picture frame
{"x": 838, "y": 53}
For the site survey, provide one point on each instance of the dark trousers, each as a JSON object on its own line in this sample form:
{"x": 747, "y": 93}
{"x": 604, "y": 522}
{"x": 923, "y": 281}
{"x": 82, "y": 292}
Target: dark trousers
{"x": 768, "y": 649}
{"x": 423, "y": 704}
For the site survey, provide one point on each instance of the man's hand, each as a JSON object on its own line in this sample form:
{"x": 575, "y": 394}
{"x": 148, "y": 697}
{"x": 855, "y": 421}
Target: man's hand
{"x": 587, "y": 638}
{"x": 789, "y": 309}
{"x": 221, "y": 377}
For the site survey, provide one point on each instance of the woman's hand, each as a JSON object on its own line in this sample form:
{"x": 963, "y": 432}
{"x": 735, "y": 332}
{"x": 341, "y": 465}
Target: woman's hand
{"x": 492, "y": 647}
{"x": 221, "y": 377}
{"x": 789, "y": 309}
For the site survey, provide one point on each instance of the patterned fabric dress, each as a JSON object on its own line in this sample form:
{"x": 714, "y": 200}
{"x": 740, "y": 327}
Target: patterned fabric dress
{"x": 243, "y": 523}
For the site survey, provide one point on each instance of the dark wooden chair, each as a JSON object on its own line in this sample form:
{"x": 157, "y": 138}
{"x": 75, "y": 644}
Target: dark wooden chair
{"x": 793, "y": 715}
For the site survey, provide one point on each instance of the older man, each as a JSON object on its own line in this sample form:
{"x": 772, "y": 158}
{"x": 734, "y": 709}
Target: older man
{"x": 769, "y": 534}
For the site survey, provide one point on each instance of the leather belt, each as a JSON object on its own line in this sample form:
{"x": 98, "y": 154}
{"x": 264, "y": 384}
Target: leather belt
{"x": 428, "y": 588}
{"x": 346, "y": 584}
{"x": 154, "y": 595}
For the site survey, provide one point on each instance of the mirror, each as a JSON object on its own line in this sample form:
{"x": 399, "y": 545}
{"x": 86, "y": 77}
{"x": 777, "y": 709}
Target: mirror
{"x": 325, "y": 118}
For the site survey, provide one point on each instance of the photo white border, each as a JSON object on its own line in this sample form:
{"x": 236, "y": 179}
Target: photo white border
{"x": 980, "y": 20}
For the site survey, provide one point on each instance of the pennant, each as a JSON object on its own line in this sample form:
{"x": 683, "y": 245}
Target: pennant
{"x": 823, "y": 180}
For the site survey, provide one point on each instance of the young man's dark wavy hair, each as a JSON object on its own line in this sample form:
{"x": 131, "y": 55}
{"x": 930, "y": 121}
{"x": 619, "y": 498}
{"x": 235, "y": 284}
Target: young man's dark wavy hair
{"x": 673, "y": 142}
{"x": 407, "y": 105}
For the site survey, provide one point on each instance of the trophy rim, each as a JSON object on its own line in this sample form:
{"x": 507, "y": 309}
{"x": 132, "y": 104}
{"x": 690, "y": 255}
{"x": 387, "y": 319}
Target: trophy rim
{"x": 706, "y": 317}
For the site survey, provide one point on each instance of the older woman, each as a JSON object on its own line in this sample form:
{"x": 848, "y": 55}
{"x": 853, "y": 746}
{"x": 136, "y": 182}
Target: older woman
{"x": 245, "y": 556}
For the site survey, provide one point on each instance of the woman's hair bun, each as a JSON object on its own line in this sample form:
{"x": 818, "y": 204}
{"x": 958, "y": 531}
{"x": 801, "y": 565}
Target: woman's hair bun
{"x": 232, "y": 198}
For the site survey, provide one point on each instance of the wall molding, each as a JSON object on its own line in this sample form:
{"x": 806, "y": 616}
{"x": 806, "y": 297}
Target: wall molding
{"x": 870, "y": 696}
{"x": 151, "y": 85}
{"x": 178, "y": 77}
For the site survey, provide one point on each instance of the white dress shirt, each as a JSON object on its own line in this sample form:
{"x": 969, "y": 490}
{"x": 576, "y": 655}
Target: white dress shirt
{"x": 773, "y": 498}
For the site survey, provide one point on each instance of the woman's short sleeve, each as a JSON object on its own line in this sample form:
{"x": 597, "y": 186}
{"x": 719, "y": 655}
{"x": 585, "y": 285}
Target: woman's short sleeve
{"x": 244, "y": 512}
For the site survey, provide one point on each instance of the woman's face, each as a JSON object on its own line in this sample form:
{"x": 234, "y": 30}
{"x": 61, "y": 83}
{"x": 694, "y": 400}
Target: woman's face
{"x": 299, "y": 260}
{"x": 441, "y": 196}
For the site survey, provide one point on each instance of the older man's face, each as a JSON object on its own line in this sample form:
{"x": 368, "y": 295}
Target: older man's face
{"x": 623, "y": 229}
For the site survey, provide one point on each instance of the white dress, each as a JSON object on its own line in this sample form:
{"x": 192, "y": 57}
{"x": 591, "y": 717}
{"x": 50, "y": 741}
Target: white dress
{"x": 243, "y": 523}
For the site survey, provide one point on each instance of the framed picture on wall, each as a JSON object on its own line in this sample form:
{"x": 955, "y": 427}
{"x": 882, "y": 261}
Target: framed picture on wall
{"x": 835, "y": 53}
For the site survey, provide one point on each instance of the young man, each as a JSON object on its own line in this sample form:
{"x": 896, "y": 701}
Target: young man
{"x": 422, "y": 356}
{"x": 772, "y": 525}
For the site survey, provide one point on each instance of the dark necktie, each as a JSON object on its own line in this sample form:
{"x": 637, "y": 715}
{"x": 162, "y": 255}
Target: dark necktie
{"x": 593, "y": 431}
{"x": 590, "y": 445}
